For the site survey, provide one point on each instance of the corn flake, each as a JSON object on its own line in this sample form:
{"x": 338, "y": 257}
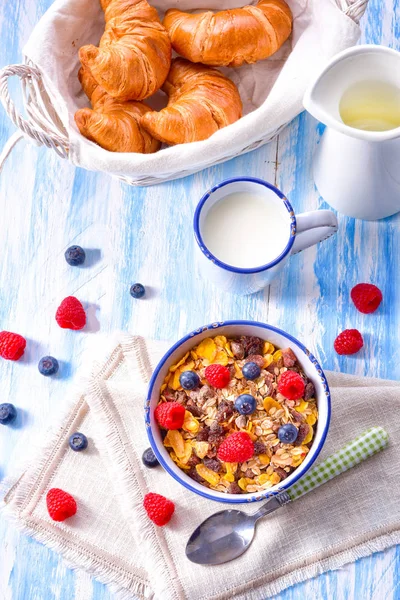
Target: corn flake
{"x": 221, "y": 357}
{"x": 269, "y": 403}
{"x": 261, "y": 479}
{"x": 268, "y": 360}
{"x": 201, "y": 448}
{"x": 230, "y": 471}
{"x": 210, "y": 476}
{"x": 187, "y": 453}
{"x": 309, "y": 437}
{"x": 244, "y": 482}
{"x": 190, "y": 423}
{"x": 174, "y": 440}
{"x": 178, "y": 364}
{"x": 264, "y": 459}
{"x": 268, "y": 348}
{"x": 274, "y": 478}
{"x": 220, "y": 340}
{"x": 311, "y": 419}
{"x": 238, "y": 371}
{"x": 207, "y": 349}
{"x": 302, "y": 406}
{"x": 228, "y": 349}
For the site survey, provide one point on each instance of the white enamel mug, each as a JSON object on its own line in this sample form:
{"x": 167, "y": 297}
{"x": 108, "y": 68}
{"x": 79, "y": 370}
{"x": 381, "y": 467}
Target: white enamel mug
{"x": 303, "y": 231}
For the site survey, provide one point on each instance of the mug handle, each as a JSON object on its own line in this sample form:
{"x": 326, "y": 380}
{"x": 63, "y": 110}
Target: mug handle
{"x": 313, "y": 227}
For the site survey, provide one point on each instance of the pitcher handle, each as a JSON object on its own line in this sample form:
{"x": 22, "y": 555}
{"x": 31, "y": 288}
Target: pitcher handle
{"x": 313, "y": 227}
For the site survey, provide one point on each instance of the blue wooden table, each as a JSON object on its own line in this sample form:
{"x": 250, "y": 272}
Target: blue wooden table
{"x": 145, "y": 235}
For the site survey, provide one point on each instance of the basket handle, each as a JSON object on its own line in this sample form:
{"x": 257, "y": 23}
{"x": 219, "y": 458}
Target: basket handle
{"x": 43, "y": 124}
{"x": 353, "y": 8}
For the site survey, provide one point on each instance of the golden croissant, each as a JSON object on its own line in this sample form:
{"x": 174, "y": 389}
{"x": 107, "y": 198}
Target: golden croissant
{"x": 230, "y": 37}
{"x": 201, "y": 101}
{"x": 134, "y": 54}
{"x": 112, "y": 124}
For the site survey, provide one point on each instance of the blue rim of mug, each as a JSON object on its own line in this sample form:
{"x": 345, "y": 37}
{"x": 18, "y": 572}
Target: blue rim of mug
{"x": 256, "y": 497}
{"x": 214, "y": 259}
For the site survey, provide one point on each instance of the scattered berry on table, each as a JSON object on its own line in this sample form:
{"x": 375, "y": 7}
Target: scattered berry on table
{"x": 137, "y": 290}
{"x": 60, "y": 504}
{"x": 12, "y": 345}
{"x": 251, "y": 370}
{"x": 70, "y": 314}
{"x": 237, "y": 447}
{"x": 217, "y": 375}
{"x": 288, "y": 433}
{"x": 48, "y": 365}
{"x": 366, "y": 297}
{"x": 75, "y": 256}
{"x": 170, "y": 415}
{"x": 159, "y": 509}
{"x": 189, "y": 380}
{"x": 245, "y": 404}
{"x": 349, "y": 341}
{"x": 149, "y": 459}
{"x": 8, "y": 413}
{"x": 291, "y": 385}
{"x": 78, "y": 441}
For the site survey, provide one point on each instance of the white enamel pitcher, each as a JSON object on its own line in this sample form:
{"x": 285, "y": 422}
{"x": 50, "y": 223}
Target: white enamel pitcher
{"x": 357, "y": 172}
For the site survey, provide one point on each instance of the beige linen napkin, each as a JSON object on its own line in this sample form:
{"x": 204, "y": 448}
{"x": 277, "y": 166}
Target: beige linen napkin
{"x": 111, "y": 537}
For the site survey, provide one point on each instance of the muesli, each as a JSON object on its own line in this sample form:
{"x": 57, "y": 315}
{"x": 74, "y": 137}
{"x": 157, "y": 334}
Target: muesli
{"x": 237, "y": 414}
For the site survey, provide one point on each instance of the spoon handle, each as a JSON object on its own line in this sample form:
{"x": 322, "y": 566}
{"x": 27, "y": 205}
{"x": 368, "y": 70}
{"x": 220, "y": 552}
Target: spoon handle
{"x": 365, "y": 445}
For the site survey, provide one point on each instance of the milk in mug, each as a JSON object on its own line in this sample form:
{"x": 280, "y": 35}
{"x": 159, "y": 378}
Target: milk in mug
{"x": 246, "y": 230}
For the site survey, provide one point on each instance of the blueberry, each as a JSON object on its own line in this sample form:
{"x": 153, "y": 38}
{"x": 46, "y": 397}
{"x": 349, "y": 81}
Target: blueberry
{"x": 189, "y": 380}
{"x": 245, "y": 404}
{"x": 288, "y": 433}
{"x": 75, "y": 256}
{"x": 251, "y": 371}
{"x": 137, "y": 290}
{"x": 8, "y": 412}
{"x": 78, "y": 441}
{"x": 48, "y": 365}
{"x": 149, "y": 459}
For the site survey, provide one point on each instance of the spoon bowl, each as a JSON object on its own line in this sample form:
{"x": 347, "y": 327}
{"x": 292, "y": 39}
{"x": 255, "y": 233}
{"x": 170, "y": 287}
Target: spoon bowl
{"x": 221, "y": 538}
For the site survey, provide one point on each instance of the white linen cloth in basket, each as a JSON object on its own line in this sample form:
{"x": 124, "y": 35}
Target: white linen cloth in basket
{"x": 271, "y": 90}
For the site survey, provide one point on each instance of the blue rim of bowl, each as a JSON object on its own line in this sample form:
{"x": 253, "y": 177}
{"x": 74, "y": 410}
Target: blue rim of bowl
{"x": 244, "y": 497}
{"x": 214, "y": 259}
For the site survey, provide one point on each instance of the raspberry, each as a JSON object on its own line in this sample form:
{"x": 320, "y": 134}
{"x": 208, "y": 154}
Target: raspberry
{"x": 170, "y": 415}
{"x": 60, "y": 504}
{"x": 349, "y": 341}
{"x": 12, "y": 345}
{"x": 158, "y": 508}
{"x": 237, "y": 447}
{"x": 70, "y": 314}
{"x": 366, "y": 297}
{"x": 218, "y": 376}
{"x": 291, "y": 385}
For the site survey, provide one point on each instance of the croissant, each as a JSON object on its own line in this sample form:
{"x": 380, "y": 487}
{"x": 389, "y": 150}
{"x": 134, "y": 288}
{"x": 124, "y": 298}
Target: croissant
{"x": 112, "y": 124}
{"x": 230, "y": 37}
{"x": 201, "y": 101}
{"x": 134, "y": 55}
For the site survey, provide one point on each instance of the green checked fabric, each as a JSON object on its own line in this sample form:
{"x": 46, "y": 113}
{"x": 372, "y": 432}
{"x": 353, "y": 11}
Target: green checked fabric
{"x": 365, "y": 445}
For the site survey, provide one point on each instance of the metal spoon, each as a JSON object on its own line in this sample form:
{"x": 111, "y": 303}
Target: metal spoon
{"x": 227, "y": 534}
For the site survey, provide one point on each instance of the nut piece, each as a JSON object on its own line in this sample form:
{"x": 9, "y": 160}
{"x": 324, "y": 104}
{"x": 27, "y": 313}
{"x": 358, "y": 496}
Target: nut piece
{"x": 237, "y": 350}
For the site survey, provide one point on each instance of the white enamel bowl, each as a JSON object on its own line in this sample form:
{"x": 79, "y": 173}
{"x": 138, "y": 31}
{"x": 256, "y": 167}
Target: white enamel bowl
{"x": 280, "y": 339}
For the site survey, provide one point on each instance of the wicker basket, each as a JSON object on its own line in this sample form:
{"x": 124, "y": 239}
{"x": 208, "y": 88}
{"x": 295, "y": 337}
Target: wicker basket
{"x": 42, "y": 125}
